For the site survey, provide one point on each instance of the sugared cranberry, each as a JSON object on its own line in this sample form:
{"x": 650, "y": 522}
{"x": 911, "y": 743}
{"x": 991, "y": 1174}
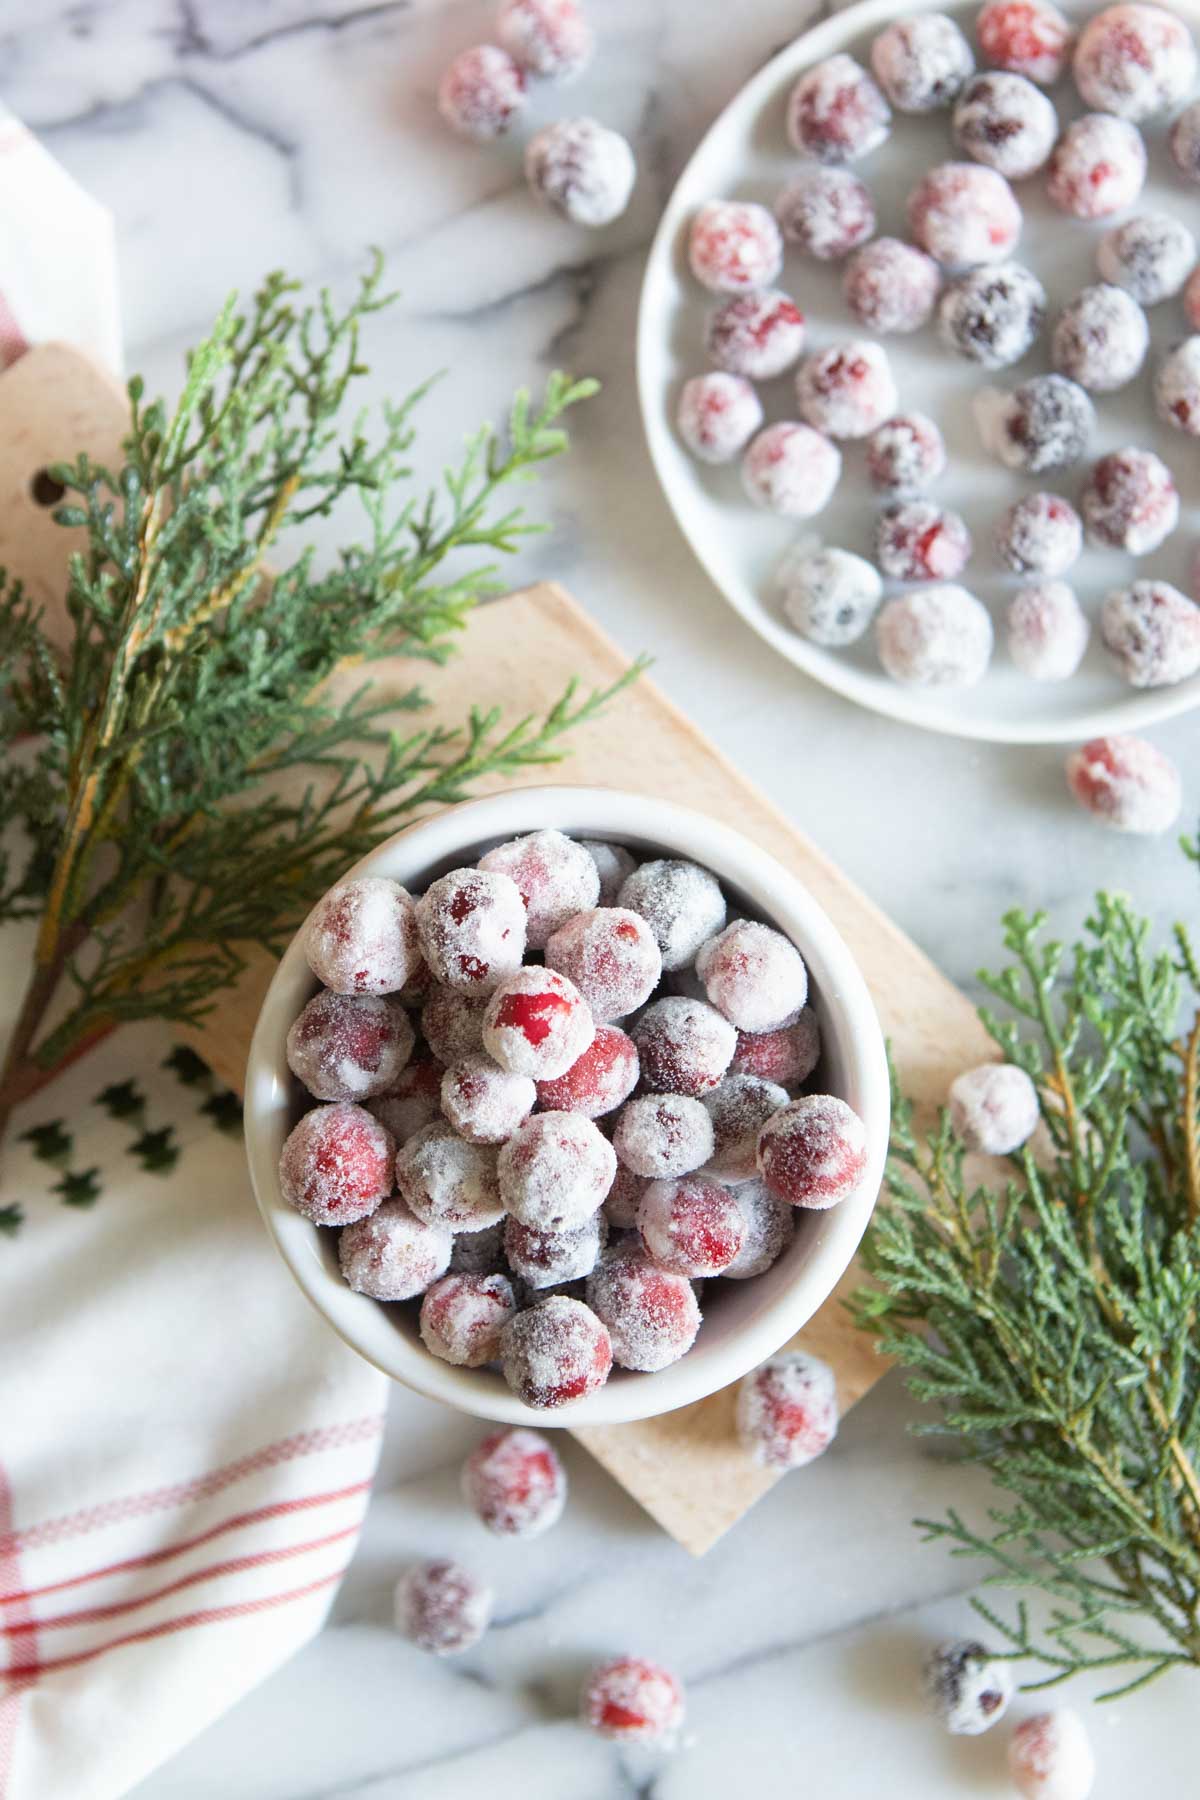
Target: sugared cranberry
{"x": 462, "y": 1317}
{"x": 1046, "y": 423}
{"x": 1177, "y": 387}
{"x": 734, "y": 247}
{"x": 582, "y": 169}
{"x": 448, "y": 1181}
{"x": 813, "y": 1152}
{"x": 555, "y": 1352}
{"x": 962, "y": 213}
{"x": 1004, "y": 121}
{"x": 1150, "y": 256}
{"x": 485, "y": 1104}
{"x": 757, "y": 336}
{"x": 349, "y": 1047}
{"x": 830, "y": 596}
{"x": 548, "y": 37}
{"x": 994, "y": 1108}
{"x": 906, "y": 454}
{"x": 739, "y": 1109}
{"x": 452, "y": 1023}
{"x": 660, "y": 1136}
{"x": 472, "y": 927}
{"x": 336, "y": 1165}
{"x": 614, "y": 865}
{"x": 718, "y": 415}
{"x": 993, "y": 316}
{"x": 546, "y": 1259}
{"x": 611, "y": 955}
{"x": 633, "y": 1701}
{"x": 847, "y": 390}
{"x": 555, "y": 1170}
{"x": 1098, "y": 167}
{"x": 691, "y": 1225}
{"x": 917, "y": 540}
{"x": 935, "y": 637}
{"x": 1152, "y": 632}
{"x": 393, "y": 1255}
{"x": 787, "y": 1413}
{"x": 1184, "y": 141}
{"x": 788, "y": 1056}
{"x": 684, "y": 1046}
{"x": 835, "y": 112}
{"x": 604, "y": 1076}
{"x": 791, "y": 469}
{"x": 1039, "y": 535}
{"x": 1134, "y": 61}
{"x": 967, "y": 1690}
{"x": 623, "y": 1199}
{"x": 1047, "y": 631}
{"x": 514, "y": 1482}
{"x": 441, "y": 1607}
{"x": 754, "y": 976}
{"x": 682, "y": 904}
{"x": 651, "y": 1313}
{"x": 554, "y": 875}
{"x": 415, "y": 1099}
{"x": 891, "y": 286}
{"x": 922, "y": 62}
{"x": 361, "y": 938}
{"x": 1100, "y": 339}
{"x": 482, "y": 92}
{"x": 1049, "y": 1756}
{"x": 826, "y": 213}
{"x": 1126, "y": 783}
{"x": 770, "y": 1228}
{"x": 1028, "y": 37}
{"x": 537, "y": 1023}
{"x": 1130, "y": 501}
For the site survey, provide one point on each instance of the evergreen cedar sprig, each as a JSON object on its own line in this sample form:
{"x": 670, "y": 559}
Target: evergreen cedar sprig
{"x": 161, "y": 844}
{"x": 1051, "y": 1317}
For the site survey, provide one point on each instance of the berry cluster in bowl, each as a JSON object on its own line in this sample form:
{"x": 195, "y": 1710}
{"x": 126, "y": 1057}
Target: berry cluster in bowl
{"x": 953, "y": 267}
{"x": 557, "y": 1093}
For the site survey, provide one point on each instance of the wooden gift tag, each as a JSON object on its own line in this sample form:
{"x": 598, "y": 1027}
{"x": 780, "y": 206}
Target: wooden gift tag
{"x": 685, "y": 1468}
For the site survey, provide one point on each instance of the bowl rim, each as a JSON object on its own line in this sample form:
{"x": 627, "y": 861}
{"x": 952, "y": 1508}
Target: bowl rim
{"x": 674, "y": 830}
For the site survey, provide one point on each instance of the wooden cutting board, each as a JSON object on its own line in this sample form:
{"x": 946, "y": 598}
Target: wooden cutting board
{"x": 685, "y": 1468}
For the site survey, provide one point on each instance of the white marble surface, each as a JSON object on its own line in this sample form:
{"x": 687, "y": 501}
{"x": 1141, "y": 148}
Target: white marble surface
{"x": 229, "y": 136}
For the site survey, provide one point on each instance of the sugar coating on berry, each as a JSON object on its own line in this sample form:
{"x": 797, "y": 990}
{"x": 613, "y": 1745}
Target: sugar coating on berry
{"x": 555, "y": 1170}
{"x": 448, "y": 1181}
{"x": 963, "y": 214}
{"x": 906, "y": 454}
{"x": 483, "y": 1103}
{"x": 611, "y": 955}
{"x": 691, "y": 1225}
{"x": 1048, "y": 631}
{"x": 813, "y": 1151}
{"x": 935, "y": 637}
{"x": 660, "y": 1136}
{"x": 482, "y": 92}
{"x": 684, "y": 1046}
{"x": 614, "y": 865}
{"x": 830, "y": 596}
{"x": 739, "y": 1109}
{"x": 965, "y": 1688}
{"x": 545, "y": 1259}
{"x": 891, "y": 286}
{"x": 1006, "y": 122}
{"x": 718, "y": 415}
{"x": 479, "y": 1252}
{"x": 921, "y": 63}
{"x": 1130, "y": 501}
{"x": 836, "y": 113}
{"x": 1126, "y": 783}
{"x": 791, "y": 469}
{"x": 582, "y": 169}
{"x": 393, "y": 1255}
{"x": 1098, "y": 167}
{"x": 1184, "y": 141}
{"x": 1041, "y": 534}
{"x": 1049, "y": 1755}
{"x": 788, "y": 1056}
{"x": 826, "y": 213}
{"x": 462, "y": 1317}
{"x": 753, "y": 975}
{"x": 546, "y": 37}
{"x": 1100, "y": 338}
{"x": 1150, "y": 256}
{"x": 633, "y": 1701}
{"x": 361, "y": 938}
{"x": 993, "y": 316}
{"x": 1152, "y": 632}
{"x": 847, "y": 390}
{"x": 514, "y": 1483}
{"x": 537, "y": 1023}
{"x": 349, "y": 1046}
{"x": 1046, "y": 423}
{"x": 1177, "y": 387}
{"x": 652, "y": 1313}
{"x": 918, "y": 540}
{"x": 554, "y": 875}
{"x": 1028, "y": 37}
{"x": 734, "y": 247}
{"x": 336, "y": 1165}
{"x": 604, "y": 1076}
{"x": 994, "y": 1108}
{"x": 682, "y": 904}
{"x": 757, "y": 336}
{"x": 555, "y": 1352}
{"x": 787, "y": 1412}
{"x": 414, "y": 1099}
{"x": 452, "y": 1023}
{"x": 472, "y": 926}
{"x": 441, "y": 1607}
{"x": 1134, "y": 61}
{"x": 770, "y": 1228}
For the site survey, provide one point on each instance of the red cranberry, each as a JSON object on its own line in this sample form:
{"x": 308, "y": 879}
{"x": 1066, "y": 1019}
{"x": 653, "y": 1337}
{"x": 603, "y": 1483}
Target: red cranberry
{"x": 1027, "y": 37}
{"x": 792, "y": 470}
{"x": 718, "y": 415}
{"x": 452, "y": 1024}
{"x": 555, "y": 1352}
{"x": 441, "y": 1607}
{"x": 922, "y": 62}
{"x": 1127, "y": 784}
{"x": 770, "y": 1228}
{"x": 611, "y": 956}
{"x": 555, "y": 1171}
{"x": 962, "y": 214}
{"x": 633, "y": 1701}
{"x": 787, "y": 1411}
{"x": 349, "y": 1047}
{"x": 604, "y": 1076}
{"x": 336, "y": 1165}
{"x": 734, "y": 247}
{"x": 1152, "y": 632}
{"x": 692, "y": 1226}
{"x": 482, "y": 92}
{"x": 739, "y": 1109}
{"x": 545, "y": 1259}
{"x": 1134, "y": 61}
{"x": 515, "y": 1483}
{"x": 754, "y": 976}
{"x": 472, "y": 927}
{"x": 813, "y": 1152}
{"x": 362, "y": 937}
{"x": 682, "y": 904}
{"x": 663, "y": 1135}
{"x": 891, "y": 286}
{"x": 756, "y": 336}
{"x": 554, "y": 875}
{"x": 415, "y": 1099}
{"x": 462, "y": 1317}
{"x": 651, "y": 1314}
{"x": 917, "y": 540}
{"x": 847, "y": 390}
{"x": 393, "y": 1255}
{"x": 788, "y": 1056}
{"x": 484, "y": 1104}
{"x": 684, "y": 1046}
{"x": 1130, "y": 502}
{"x": 447, "y": 1181}
{"x": 826, "y": 213}
{"x": 537, "y": 1023}
{"x": 1041, "y": 534}
{"x": 836, "y": 113}
{"x": 1098, "y": 167}
{"x": 551, "y": 38}
{"x": 905, "y": 454}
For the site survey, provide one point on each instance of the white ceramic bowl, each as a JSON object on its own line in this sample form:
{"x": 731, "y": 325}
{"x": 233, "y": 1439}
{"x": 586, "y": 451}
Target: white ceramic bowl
{"x": 748, "y": 1320}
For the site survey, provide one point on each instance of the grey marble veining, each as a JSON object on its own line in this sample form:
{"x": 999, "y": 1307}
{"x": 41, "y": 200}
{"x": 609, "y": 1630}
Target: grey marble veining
{"x": 231, "y": 136}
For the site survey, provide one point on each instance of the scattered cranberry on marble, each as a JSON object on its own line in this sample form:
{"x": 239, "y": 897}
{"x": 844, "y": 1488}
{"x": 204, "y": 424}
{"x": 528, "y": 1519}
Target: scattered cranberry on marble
{"x": 482, "y": 92}
{"x": 551, "y": 38}
{"x": 787, "y": 1413}
{"x": 515, "y": 1484}
{"x": 633, "y": 1701}
{"x": 966, "y": 1688}
{"x": 1127, "y": 783}
{"x": 1049, "y": 1755}
{"x": 582, "y": 170}
{"x": 442, "y": 1607}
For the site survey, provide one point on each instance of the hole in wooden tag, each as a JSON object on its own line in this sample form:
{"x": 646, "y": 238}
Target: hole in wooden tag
{"x": 45, "y": 490}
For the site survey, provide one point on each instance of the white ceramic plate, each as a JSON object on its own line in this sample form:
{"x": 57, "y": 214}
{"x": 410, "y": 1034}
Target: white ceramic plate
{"x": 746, "y": 155}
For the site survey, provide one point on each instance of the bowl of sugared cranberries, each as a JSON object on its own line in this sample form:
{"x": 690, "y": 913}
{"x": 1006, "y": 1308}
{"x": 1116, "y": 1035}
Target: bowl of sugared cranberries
{"x": 567, "y": 1106}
